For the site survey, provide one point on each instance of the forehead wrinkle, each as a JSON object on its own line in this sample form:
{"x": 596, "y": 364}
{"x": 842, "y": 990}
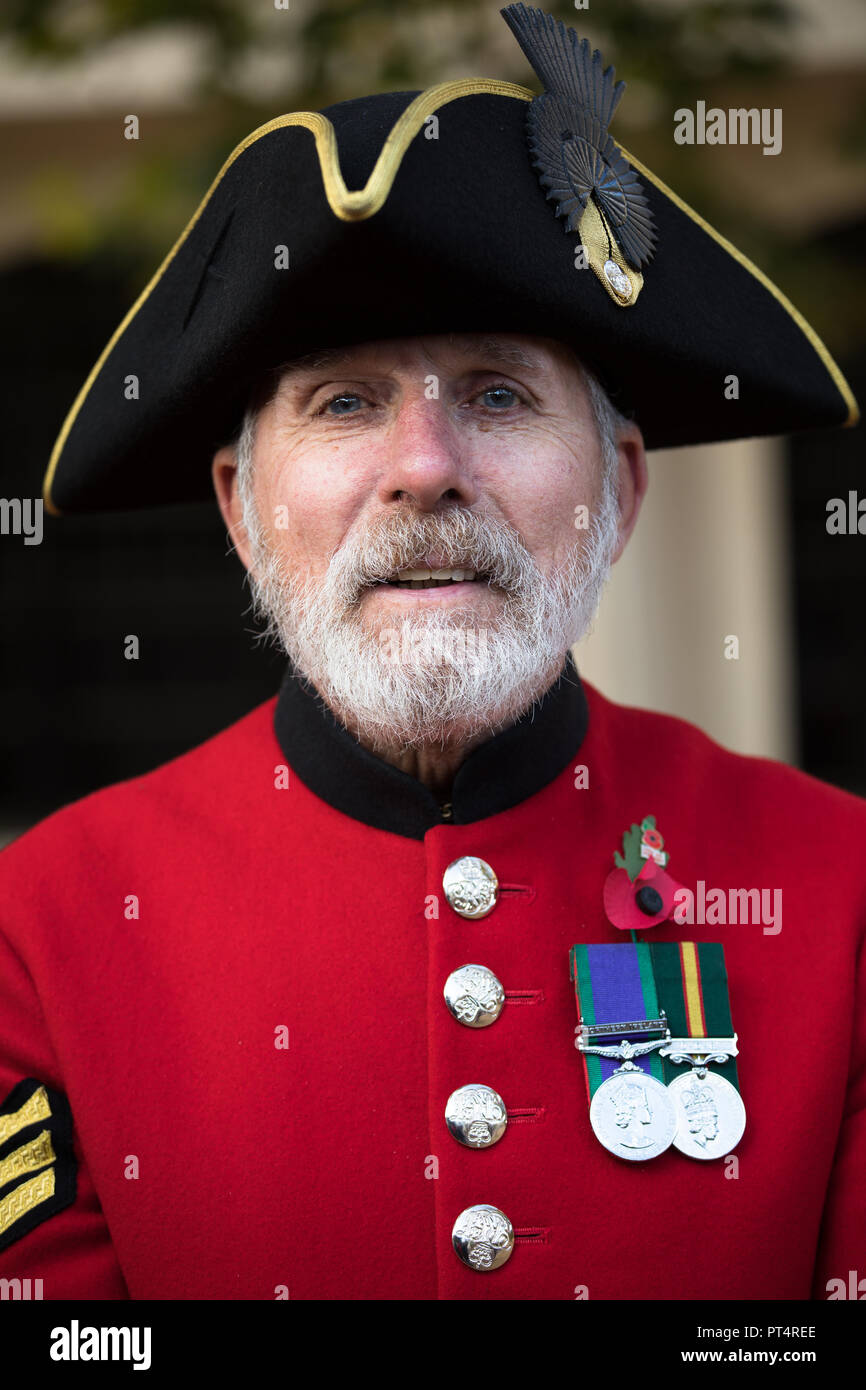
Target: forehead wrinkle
{"x": 509, "y": 353}
{"x": 311, "y": 361}
{"x": 486, "y": 345}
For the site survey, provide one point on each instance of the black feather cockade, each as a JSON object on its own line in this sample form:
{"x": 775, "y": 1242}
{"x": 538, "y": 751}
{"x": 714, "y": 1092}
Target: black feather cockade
{"x": 568, "y": 138}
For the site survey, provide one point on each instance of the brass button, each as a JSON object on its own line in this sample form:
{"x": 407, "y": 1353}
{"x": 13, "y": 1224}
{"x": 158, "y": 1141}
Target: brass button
{"x": 474, "y": 996}
{"x": 483, "y": 1237}
{"x": 470, "y": 886}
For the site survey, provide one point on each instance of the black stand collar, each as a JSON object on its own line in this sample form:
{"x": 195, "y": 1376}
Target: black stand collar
{"x": 506, "y": 769}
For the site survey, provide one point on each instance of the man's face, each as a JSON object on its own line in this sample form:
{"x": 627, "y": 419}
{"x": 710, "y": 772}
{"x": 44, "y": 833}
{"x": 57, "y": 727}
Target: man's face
{"x": 465, "y": 455}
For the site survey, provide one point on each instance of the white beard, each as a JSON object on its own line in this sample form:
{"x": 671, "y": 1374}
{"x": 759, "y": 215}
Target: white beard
{"x": 443, "y": 676}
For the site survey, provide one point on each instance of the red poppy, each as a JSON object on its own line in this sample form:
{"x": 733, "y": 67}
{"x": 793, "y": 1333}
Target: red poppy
{"x": 621, "y": 903}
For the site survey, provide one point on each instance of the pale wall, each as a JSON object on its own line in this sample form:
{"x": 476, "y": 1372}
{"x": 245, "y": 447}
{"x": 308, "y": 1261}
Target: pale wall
{"x": 709, "y": 558}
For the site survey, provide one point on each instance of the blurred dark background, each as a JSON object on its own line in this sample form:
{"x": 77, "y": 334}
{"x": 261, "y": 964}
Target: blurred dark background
{"x": 88, "y": 215}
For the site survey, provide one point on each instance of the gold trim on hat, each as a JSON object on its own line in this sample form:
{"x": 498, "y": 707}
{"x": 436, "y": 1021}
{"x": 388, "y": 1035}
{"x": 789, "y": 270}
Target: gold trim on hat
{"x": 838, "y": 379}
{"x": 353, "y": 205}
{"x": 350, "y": 205}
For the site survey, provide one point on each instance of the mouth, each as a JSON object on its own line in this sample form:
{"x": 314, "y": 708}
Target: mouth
{"x": 433, "y": 579}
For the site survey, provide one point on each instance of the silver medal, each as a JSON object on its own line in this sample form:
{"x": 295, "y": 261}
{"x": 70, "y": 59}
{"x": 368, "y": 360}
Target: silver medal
{"x": 711, "y": 1117}
{"x": 633, "y": 1115}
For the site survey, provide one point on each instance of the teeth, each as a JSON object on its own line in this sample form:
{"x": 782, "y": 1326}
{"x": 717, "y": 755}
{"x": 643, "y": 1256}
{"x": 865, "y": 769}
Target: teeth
{"x": 457, "y": 576}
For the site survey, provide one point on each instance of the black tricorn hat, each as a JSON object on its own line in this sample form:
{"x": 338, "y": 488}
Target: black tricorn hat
{"x": 457, "y": 209}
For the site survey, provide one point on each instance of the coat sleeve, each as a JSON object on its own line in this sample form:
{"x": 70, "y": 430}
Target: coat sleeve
{"x": 52, "y": 1228}
{"x": 841, "y": 1261}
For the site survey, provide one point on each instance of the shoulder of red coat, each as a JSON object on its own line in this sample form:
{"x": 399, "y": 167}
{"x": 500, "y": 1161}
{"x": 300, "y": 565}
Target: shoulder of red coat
{"x": 655, "y": 743}
{"x": 203, "y": 773}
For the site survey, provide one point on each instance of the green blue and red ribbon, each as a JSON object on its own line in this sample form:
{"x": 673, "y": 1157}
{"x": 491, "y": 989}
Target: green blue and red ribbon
{"x": 615, "y": 984}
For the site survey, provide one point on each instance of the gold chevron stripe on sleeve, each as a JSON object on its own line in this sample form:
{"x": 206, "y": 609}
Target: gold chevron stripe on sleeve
{"x": 28, "y": 1159}
{"x": 23, "y": 1199}
{"x": 347, "y": 204}
{"x": 34, "y": 1109}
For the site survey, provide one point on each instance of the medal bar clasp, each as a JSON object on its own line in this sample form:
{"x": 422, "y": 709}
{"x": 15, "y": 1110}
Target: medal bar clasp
{"x": 700, "y": 1051}
{"x": 624, "y": 1051}
{"x": 627, "y": 1029}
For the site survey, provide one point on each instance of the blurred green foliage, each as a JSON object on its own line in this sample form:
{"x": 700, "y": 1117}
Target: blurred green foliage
{"x": 665, "y": 42}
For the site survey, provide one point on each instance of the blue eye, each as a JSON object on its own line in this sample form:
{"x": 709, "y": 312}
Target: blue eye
{"x": 499, "y": 397}
{"x": 343, "y": 405}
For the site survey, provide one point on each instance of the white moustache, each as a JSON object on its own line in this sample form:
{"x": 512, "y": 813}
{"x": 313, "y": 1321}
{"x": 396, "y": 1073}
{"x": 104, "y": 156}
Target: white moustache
{"x": 456, "y": 540}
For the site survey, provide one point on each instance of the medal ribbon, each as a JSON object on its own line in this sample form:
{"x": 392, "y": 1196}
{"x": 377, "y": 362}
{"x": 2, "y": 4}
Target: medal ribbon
{"x": 614, "y": 984}
{"x": 692, "y": 986}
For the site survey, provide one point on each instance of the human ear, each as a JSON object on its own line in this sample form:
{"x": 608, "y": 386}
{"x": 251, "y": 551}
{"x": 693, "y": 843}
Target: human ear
{"x": 224, "y": 472}
{"x": 632, "y": 483}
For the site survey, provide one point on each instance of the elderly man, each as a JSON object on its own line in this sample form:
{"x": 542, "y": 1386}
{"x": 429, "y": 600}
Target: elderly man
{"x": 396, "y": 989}
{"x": 430, "y": 578}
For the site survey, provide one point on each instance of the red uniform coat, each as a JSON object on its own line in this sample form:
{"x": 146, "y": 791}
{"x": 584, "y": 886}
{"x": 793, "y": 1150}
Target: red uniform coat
{"x": 213, "y": 1163}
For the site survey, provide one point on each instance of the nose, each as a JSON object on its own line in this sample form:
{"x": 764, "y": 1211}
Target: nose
{"x": 425, "y": 461}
